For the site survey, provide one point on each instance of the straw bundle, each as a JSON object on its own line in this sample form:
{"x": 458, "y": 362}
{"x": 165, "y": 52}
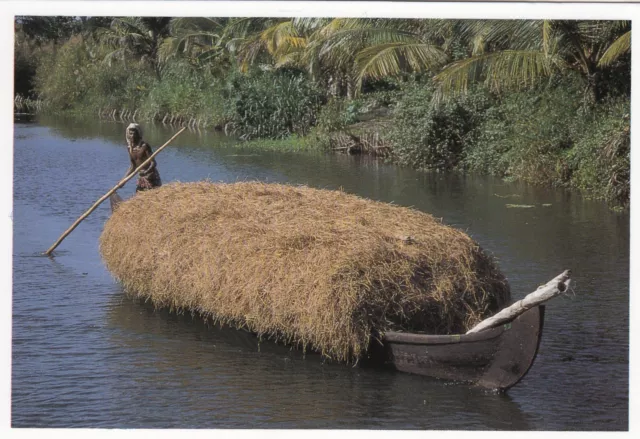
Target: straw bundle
{"x": 317, "y": 268}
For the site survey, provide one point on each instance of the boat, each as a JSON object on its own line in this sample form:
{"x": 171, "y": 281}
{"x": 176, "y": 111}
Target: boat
{"x": 495, "y": 355}
{"x": 495, "y": 359}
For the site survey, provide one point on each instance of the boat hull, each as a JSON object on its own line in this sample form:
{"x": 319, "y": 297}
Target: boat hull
{"x": 494, "y": 359}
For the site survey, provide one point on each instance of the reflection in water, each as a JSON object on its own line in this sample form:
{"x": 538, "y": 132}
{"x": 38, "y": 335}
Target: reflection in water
{"x": 209, "y": 366}
{"x": 83, "y": 355}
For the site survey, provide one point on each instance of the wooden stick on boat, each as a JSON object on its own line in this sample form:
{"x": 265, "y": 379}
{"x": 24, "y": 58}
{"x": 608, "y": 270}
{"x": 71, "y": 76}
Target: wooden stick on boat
{"x": 105, "y": 196}
{"x": 551, "y": 289}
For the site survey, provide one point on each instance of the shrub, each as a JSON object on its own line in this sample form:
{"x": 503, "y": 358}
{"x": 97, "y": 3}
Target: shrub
{"x": 433, "y": 136}
{"x": 547, "y": 136}
{"x": 74, "y": 77}
{"x": 189, "y": 92}
{"x": 60, "y": 78}
{"x": 599, "y": 162}
{"x": 526, "y": 133}
{"x": 336, "y": 115}
{"x": 273, "y": 104}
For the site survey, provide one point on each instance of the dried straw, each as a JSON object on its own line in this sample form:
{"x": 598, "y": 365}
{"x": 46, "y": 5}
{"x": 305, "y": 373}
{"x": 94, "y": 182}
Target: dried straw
{"x": 317, "y": 268}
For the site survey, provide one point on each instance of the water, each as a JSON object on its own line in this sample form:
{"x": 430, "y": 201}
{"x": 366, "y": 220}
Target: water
{"x": 85, "y": 355}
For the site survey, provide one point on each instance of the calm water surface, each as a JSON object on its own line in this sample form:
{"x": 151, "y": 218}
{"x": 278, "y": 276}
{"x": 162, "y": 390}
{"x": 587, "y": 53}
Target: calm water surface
{"x": 84, "y": 355}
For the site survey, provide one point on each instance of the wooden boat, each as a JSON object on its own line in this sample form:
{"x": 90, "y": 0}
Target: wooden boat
{"x": 494, "y": 355}
{"x": 494, "y": 359}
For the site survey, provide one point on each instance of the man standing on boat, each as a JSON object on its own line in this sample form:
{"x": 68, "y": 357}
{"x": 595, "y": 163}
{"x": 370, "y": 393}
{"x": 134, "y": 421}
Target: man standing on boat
{"x": 139, "y": 151}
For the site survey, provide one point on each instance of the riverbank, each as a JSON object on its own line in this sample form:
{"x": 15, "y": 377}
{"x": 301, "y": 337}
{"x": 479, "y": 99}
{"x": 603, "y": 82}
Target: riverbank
{"x": 567, "y": 128}
{"x": 541, "y": 139}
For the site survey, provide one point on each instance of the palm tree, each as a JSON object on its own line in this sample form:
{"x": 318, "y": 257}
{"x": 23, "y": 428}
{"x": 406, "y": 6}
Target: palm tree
{"x": 209, "y": 40}
{"x": 200, "y": 40}
{"x": 339, "y": 52}
{"x": 139, "y": 37}
{"x": 263, "y": 40}
{"x": 516, "y": 53}
{"x": 352, "y": 50}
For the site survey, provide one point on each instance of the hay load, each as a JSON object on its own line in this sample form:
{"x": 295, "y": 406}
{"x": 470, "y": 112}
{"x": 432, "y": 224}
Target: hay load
{"x": 316, "y": 268}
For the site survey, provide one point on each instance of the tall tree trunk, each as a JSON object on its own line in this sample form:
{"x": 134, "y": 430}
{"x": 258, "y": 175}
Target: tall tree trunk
{"x": 593, "y": 91}
{"x": 334, "y": 86}
{"x": 351, "y": 86}
{"x": 155, "y": 62}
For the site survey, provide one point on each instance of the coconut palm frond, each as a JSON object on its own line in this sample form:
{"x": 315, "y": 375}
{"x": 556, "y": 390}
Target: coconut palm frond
{"x": 114, "y": 55}
{"x": 169, "y": 48}
{"x": 391, "y": 59}
{"x": 290, "y": 46}
{"x": 505, "y": 69}
{"x": 307, "y": 25}
{"x": 208, "y": 54}
{"x": 288, "y": 59}
{"x": 514, "y": 34}
{"x": 199, "y": 24}
{"x": 530, "y": 34}
{"x": 249, "y": 51}
{"x": 248, "y": 26}
{"x": 340, "y": 47}
{"x": 283, "y": 33}
{"x": 547, "y": 36}
{"x": 600, "y": 31}
{"x": 618, "y": 48}
{"x": 129, "y": 33}
{"x": 435, "y": 28}
{"x": 478, "y": 45}
{"x": 128, "y": 24}
{"x": 330, "y": 28}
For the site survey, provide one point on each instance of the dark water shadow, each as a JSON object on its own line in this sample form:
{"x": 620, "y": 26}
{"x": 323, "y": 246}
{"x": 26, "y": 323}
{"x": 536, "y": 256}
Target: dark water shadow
{"x": 346, "y": 396}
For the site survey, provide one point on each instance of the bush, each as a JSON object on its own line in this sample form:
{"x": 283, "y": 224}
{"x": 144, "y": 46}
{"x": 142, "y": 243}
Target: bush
{"x": 433, "y": 136}
{"x": 546, "y": 136}
{"x": 189, "y": 92}
{"x": 526, "y": 133}
{"x": 25, "y": 63}
{"x": 336, "y": 115}
{"x": 273, "y": 104}
{"x": 74, "y": 77}
{"x": 117, "y": 86}
{"x": 60, "y": 78}
{"x": 599, "y": 162}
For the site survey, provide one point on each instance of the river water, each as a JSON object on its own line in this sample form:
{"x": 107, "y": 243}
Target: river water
{"x": 85, "y": 355}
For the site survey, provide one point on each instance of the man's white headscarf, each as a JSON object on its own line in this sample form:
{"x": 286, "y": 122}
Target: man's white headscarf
{"x": 136, "y": 127}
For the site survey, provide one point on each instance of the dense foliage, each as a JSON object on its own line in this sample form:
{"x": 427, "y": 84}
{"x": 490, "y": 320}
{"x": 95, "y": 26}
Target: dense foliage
{"x": 546, "y": 101}
{"x": 273, "y": 105}
{"x": 436, "y": 136}
{"x": 545, "y": 136}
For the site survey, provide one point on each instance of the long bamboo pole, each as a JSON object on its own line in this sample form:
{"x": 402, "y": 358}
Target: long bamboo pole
{"x": 105, "y": 196}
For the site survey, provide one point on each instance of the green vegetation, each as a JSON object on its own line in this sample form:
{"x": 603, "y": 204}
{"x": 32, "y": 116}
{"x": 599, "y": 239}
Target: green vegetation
{"x": 546, "y": 101}
{"x": 436, "y": 136}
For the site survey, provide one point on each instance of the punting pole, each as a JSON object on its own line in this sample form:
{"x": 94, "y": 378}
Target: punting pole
{"x": 105, "y": 196}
